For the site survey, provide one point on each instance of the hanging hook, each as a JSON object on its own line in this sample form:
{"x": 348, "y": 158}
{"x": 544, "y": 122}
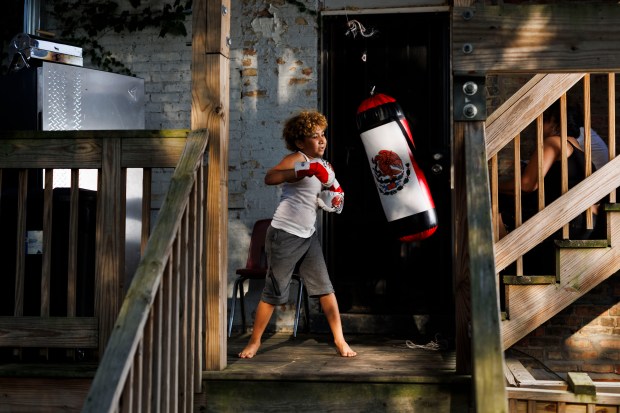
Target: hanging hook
{"x": 356, "y": 27}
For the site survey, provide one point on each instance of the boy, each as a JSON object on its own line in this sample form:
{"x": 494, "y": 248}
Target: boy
{"x": 308, "y": 182}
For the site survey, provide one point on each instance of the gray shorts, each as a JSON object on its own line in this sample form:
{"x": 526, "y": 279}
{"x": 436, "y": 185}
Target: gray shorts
{"x": 284, "y": 251}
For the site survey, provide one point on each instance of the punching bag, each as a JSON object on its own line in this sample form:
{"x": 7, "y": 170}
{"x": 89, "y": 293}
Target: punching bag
{"x": 403, "y": 190}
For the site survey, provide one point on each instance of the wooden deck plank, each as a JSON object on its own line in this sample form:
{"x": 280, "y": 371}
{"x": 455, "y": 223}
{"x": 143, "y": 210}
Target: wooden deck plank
{"x": 313, "y": 357}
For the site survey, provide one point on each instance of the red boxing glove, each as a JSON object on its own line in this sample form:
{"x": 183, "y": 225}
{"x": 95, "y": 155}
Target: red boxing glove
{"x": 319, "y": 168}
{"x": 331, "y": 199}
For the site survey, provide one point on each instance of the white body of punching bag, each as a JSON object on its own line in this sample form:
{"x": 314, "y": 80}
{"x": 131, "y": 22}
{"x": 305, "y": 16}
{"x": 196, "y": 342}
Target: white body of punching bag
{"x": 405, "y": 197}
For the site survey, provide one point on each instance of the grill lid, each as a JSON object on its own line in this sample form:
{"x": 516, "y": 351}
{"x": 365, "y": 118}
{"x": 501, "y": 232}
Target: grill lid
{"x": 24, "y": 47}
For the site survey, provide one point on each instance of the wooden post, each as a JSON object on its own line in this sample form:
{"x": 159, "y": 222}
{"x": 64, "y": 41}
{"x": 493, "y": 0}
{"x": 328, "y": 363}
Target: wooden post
{"x": 110, "y": 237}
{"x": 462, "y": 293}
{"x": 210, "y": 73}
{"x": 487, "y": 351}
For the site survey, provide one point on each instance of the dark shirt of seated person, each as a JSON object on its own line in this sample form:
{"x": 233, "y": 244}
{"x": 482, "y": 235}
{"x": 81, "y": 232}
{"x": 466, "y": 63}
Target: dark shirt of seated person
{"x": 543, "y": 255}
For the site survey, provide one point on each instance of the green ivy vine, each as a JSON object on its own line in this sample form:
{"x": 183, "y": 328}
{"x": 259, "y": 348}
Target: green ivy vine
{"x": 84, "y": 22}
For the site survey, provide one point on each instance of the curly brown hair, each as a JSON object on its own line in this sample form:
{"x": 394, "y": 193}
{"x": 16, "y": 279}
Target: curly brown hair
{"x": 301, "y": 126}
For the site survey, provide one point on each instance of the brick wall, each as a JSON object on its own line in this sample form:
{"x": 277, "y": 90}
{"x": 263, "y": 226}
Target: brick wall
{"x": 584, "y": 337}
{"x": 273, "y": 74}
{"x": 164, "y": 64}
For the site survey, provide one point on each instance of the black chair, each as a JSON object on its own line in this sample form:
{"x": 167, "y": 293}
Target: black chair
{"x": 256, "y": 269}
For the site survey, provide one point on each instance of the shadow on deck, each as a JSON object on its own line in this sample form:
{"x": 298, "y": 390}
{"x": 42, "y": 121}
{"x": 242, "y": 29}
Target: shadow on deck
{"x": 306, "y": 374}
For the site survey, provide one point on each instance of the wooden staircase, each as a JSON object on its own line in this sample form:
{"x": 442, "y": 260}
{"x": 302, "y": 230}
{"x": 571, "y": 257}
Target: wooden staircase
{"x": 581, "y": 265}
{"x": 531, "y": 300}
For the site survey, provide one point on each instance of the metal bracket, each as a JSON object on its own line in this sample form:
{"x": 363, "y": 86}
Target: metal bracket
{"x": 469, "y": 98}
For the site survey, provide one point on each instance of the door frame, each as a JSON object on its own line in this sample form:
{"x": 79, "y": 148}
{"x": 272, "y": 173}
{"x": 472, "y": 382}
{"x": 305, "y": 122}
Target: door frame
{"x": 324, "y": 224}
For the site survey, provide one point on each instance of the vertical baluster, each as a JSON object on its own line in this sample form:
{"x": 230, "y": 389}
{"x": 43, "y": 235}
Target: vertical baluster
{"x": 72, "y": 248}
{"x": 495, "y": 197}
{"x": 183, "y": 304}
{"x": 48, "y": 202}
{"x": 149, "y": 360}
{"x": 539, "y": 148}
{"x": 166, "y": 374}
{"x": 563, "y": 157}
{"x": 20, "y": 247}
{"x": 518, "y": 201}
{"x": 126, "y": 400}
{"x": 146, "y": 208}
{"x": 587, "y": 139}
{"x": 198, "y": 322}
{"x": 137, "y": 385}
{"x": 158, "y": 350}
{"x": 175, "y": 318}
{"x": 611, "y": 99}
{"x": 191, "y": 305}
{"x": 512, "y": 406}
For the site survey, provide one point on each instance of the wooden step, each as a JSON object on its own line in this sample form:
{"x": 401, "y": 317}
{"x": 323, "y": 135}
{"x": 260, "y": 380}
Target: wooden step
{"x": 581, "y": 243}
{"x": 552, "y": 279}
{"x": 306, "y": 375}
{"x": 528, "y": 279}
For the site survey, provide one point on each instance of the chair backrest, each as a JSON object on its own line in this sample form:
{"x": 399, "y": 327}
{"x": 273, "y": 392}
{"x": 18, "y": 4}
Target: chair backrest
{"x": 256, "y": 256}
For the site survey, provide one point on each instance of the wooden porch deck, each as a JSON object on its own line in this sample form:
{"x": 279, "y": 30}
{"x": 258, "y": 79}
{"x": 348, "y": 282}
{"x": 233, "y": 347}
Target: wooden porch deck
{"x": 306, "y": 374}
{"x": 314, "y": 357}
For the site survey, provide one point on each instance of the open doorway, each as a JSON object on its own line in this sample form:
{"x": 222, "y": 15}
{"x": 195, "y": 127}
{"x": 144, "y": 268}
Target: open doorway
{"x": 408, "y": 59}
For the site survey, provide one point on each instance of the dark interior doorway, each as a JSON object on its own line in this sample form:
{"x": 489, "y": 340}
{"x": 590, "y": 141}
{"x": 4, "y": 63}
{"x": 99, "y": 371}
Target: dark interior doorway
{"x": 408, "y": 59}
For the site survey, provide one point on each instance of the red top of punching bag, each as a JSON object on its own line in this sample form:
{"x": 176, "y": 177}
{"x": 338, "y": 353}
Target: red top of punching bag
{"x": 374, "y": 101}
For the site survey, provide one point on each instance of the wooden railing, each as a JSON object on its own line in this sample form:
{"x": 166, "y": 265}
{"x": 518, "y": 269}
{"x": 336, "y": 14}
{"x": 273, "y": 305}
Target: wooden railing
{"x": 505, "y": 126}
{"x": 153, "y": 358}
{"x": 48, "y": 300}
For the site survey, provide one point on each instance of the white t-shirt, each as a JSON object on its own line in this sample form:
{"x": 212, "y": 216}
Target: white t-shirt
{"x": 600, "y": 151}
{"x": 296, "y": 212}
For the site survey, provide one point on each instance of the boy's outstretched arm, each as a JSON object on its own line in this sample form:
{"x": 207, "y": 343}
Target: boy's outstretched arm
{"x": 284, "y": 171}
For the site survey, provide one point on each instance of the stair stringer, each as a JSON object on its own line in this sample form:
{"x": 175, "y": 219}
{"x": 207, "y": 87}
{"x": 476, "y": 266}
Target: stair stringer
{"x": 580, "y": 270}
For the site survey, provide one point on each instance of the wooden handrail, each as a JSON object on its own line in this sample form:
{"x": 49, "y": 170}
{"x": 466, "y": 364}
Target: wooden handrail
{"x": 524, "y": 107}
{"x": 144, "y": 307}
{"x": 82, "y": 149}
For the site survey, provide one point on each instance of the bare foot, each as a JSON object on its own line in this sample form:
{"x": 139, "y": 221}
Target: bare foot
{"x": 250, "y": 350}
{"x": 344, "y": 350}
